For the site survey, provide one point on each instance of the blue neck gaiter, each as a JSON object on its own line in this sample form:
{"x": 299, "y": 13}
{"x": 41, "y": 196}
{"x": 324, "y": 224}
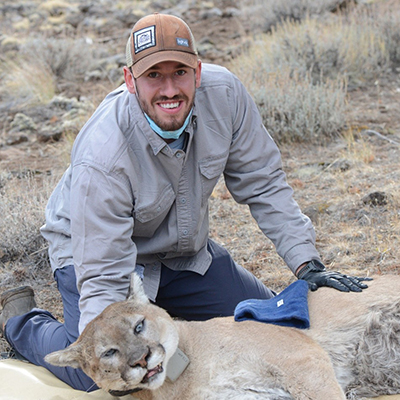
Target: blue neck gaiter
{"x": 168, "y": 134}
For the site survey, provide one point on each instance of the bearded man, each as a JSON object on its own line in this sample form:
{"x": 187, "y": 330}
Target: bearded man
{"x": 135, "y": 198}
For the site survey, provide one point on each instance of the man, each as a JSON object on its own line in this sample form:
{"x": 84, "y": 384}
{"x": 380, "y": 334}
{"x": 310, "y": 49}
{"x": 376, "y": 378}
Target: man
{"x": 135, "y": 197}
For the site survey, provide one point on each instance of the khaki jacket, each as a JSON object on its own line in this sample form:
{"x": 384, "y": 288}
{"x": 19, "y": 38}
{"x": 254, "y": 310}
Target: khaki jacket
{"x": 128, "y": 198}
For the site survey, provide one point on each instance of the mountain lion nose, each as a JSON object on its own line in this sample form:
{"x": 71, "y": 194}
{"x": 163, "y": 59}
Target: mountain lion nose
{"x": 139, "y": 360}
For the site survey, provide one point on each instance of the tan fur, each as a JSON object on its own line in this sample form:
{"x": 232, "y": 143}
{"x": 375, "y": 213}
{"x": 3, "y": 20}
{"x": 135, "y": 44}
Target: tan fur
{"x": 352, "y": 335}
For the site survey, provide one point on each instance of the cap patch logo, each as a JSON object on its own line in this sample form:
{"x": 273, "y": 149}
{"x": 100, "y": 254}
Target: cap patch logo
{"x": 182, "y": 42}
{"x": 144, "y": 38}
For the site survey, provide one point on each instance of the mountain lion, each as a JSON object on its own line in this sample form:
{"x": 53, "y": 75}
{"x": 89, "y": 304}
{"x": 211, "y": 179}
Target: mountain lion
{"x": 352, "y": 348}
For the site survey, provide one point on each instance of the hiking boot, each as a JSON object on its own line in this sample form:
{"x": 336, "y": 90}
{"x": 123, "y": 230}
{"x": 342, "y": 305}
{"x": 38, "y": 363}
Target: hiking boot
{"x": 15, "y": 302}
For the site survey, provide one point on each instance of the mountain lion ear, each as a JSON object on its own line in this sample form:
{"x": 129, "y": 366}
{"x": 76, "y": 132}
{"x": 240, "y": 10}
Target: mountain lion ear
{"x": 68, "y": 357}
{"x": 136, "y": 291}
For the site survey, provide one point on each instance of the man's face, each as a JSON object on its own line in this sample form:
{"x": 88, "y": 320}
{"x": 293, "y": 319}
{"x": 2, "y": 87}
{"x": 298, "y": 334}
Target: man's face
{"x": 166, "y": 92}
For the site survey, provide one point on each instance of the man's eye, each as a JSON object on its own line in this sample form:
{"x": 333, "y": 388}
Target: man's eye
{"x": 181, "y": 72}
{"x": 153, "y": 75}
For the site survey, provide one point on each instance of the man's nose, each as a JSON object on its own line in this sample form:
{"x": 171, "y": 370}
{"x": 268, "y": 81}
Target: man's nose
{"x": 169, "y": 87}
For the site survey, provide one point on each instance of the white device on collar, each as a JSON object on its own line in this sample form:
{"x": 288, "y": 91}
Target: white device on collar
{"x": 176, "y": 365}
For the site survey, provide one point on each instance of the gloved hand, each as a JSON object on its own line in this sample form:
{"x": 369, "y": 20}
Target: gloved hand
{"x": 316, "y": 276}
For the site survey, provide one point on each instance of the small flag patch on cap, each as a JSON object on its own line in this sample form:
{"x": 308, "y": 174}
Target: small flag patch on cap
{"x": 182, "y": 42}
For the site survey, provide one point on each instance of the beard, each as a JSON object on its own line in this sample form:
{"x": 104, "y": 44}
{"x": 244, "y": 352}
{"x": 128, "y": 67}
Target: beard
{"x": 170, "y": 123}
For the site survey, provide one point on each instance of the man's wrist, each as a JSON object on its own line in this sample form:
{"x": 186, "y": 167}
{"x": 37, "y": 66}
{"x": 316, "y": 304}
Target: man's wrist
{"x": 313, "y": 265}
{"x": 299, "y": 268}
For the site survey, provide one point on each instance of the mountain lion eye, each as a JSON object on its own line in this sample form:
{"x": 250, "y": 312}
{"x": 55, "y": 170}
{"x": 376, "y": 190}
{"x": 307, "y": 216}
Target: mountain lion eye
{"x": 110, "y": 353}
{"x": 139, "y": 327}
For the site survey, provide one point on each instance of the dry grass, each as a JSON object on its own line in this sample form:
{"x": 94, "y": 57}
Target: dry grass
{"x": 44, "y": 67}
{"x": 26, "y": 83}
{"x": 68, "y": 59}
{"x": 387, "y": 16}
{"x": 357, "y": 147}
{"x": 349, "y": 46}
{"x": 267, "y": 14}
{"x": 296, "y": 72}
{"x": 354, "y": 234}
{"x": 23, "y": 197}
{"x": 296, "y": 110}
{"x": 363, "y": 237}
{"x": 233, "y": 226}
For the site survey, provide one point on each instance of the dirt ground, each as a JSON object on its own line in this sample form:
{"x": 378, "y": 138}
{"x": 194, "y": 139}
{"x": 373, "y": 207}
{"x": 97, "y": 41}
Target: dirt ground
{"x": 349, "y": 187}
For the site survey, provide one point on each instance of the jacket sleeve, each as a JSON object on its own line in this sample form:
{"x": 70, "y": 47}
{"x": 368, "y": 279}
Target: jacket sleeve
{"x": 255, "y": 177}
{"x": 101, "y": 229}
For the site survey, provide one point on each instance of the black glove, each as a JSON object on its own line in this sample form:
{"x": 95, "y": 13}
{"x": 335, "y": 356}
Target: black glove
{"x": 316, "y": 276}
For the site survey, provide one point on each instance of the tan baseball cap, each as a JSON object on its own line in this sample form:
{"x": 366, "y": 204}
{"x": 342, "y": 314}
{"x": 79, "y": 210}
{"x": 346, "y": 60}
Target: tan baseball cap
{"x": 157, "y": 38}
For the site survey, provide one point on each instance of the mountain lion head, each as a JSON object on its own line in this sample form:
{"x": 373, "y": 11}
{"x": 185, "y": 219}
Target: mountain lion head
{"x": 130, "y": 356}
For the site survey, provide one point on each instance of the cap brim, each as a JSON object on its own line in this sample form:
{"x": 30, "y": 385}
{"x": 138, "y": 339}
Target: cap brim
{"x": 188, "y": 59}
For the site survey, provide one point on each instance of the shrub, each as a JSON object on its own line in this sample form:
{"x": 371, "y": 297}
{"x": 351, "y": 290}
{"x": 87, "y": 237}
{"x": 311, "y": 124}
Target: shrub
{"x": 351, "y": 47}
{"x": 297, "y": 72}
{"x": 26, "y": 83}
{"x": 295, "y": 106}
{"x": 387, "y": 17}
{"x": 23, "y": 197}
{"x": 43, "y": 68}
{"x": 296, "y": 110}
{"x": 266, "y": 14}
{"x": 68, "y": 59}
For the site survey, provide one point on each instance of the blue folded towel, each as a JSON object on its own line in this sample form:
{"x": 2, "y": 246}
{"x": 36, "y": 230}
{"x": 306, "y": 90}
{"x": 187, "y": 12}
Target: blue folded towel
{"x": 288, "y": 308}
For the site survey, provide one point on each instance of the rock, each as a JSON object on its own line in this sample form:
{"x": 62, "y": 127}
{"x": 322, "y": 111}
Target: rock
{"x": 10, "y": 43}
{"x": 211, "y": 13}
{"x": 95, "y": 75}
{"x": 74, "y": 19}
{"x": 65, "y": 103}
{"x": 341, "y": 165}
{"x": 307, "y": 171}
{"x": 117, "y": 59}
{"x": 23, "y": 123}
{"x": 12, "y": 140}
{"x": 375, "y": 199}
{"x": 232, "y": 12}
{"x": 22, "y": 25}
{"x": 56, "y": 7}
{"x": 127, "y": 17}
{"x": 116, "y": 75}
{"x": 314, "y": 211}
{"x": 49, "y": 136}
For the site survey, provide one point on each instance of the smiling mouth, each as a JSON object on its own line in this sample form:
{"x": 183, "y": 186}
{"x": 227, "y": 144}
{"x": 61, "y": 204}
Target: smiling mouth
{"x": 169, "y": 106}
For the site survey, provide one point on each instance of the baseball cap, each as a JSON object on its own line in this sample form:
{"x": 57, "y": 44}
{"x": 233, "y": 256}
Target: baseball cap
{"x": 157, "y": 38}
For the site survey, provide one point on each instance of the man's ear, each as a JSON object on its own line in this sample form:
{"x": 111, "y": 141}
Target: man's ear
{"x": 198, "y": 74}
{"x": 129, "y": 80}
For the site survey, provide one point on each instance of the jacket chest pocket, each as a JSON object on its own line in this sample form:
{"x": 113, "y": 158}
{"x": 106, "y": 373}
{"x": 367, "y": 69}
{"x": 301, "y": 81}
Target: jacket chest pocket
{"x": 211, "y": 169}
{"x": 151, "y": 211}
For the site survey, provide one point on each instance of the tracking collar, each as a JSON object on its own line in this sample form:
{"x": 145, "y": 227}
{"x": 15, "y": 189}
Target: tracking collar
{"x": 176, "y": 365}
